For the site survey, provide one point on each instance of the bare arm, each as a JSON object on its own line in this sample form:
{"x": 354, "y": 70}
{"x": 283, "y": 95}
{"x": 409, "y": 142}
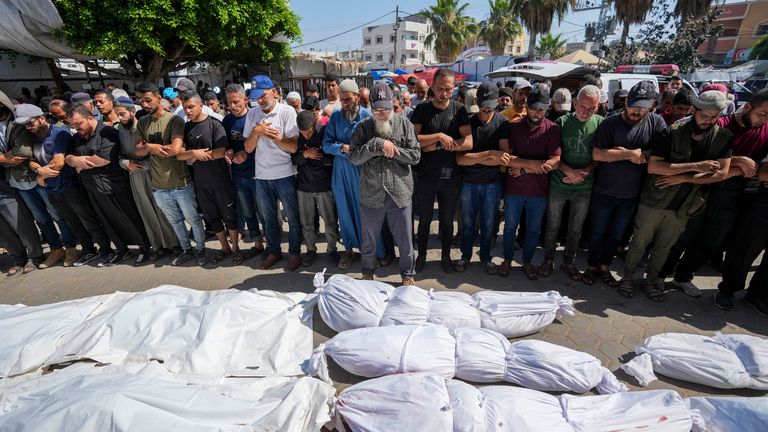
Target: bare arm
{"x": 699, "y": 178}
{"x": 615, "y": 154}
{"x": 657, "y": 165}
{"x": 762, "y": 174}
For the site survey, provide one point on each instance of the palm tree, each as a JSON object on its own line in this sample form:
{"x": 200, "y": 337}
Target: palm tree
{"x": 451, "y": 28}
{"x": 537, "y": 16}
{"x": 630, "y": 12}
{"x": 694, "y": 8}
{"x": 501, "y": 27}
{"x": 552, "y": 46}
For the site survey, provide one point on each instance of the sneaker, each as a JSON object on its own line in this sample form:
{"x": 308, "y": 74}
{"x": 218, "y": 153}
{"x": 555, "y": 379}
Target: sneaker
{"x": 408, "y": 281}
{"x": 688, "y": 287}
{"x": 84, "y": 258}
{"x": 202, "y": 259}
{"x": 141, "y": 258}
{"x": 182, "y": 257}
{"x": 106, "y": 259}
{"x": 56, "y": 256}
{"x": 759, "y": 305}
{"x": 723, "y": 301}
{"x": 309, "y": 258}
{"x": 119, "y": 257}
{"x": 70, "y": 257}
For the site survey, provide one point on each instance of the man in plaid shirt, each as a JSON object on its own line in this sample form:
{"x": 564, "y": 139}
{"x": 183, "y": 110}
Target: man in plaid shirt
{"x": 386, "y": 147}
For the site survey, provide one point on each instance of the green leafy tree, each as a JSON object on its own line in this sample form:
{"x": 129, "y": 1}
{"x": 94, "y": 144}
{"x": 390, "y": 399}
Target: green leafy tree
{"x": 630, "y": 12}
{"x": 150, "y": 38}
{"x": 537, "y": 15}
{"x": 501, "y": 28}
{"x": 451, "y": 28}
{"x": 552, "y": 46}
{"x": 760, "y": 49}
{"x": 694, "y": 8}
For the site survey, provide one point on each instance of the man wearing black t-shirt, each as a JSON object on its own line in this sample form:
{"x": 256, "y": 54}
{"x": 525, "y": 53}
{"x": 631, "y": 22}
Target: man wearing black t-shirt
{"x": 442, "y": 128}
{"x": 206, "y": 147}
{"x": 481, "y": 188}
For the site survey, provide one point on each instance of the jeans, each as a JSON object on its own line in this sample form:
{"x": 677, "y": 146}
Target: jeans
{"x": 447, "y": 193}
{"x": 45, "y": 215}
{"x": 179, "y": 205}
{"x": 247, "y": 205}
{"x": 269, "y": 193}
{"x": 482, "y": 199}
{"x": 534, "y": 213}
{"x": 610, "y": 219}
{"x": 576, "y": 216}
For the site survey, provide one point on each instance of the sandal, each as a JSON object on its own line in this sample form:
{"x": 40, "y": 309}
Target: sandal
{"x": 530, "y": 271}
{"x": 29, "y": 267}
{"x": 571, "y": 271}
{"x": 653, "y": 292}
{"x": 589, "y": 276}
{"x": 545, "y": 269}
{"x": 253, "y": 252}
{"x": 490, "y": 268}
{"x": 503, "y": 269}
{"x": 626, "y": 288}
{"x": 460, "y": 265}
{"x": 14, "y": 270}
{"x": 220, "y": 256}
{"x": 608, "y": 279}
{"x": 238, "y": 258}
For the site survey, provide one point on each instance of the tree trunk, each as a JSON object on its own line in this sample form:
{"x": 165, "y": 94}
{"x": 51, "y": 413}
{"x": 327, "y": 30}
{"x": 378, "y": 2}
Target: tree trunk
{"x": 532, "y": 45}
{"x": 624, "y": 35}
{"x": 55, "y": 72}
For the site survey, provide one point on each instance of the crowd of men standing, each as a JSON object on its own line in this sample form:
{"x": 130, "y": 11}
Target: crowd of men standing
{"x": 671, "y": 181}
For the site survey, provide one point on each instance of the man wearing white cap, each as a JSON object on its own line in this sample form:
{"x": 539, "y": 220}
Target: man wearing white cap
{"x": 294, "y": 100}
{"x": 519, "y": 100}
{"x": 691, "y": 154}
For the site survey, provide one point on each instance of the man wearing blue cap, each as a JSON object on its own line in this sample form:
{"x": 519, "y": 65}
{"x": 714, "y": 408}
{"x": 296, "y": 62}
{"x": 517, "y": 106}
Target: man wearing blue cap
{"x": 271, "y": 133}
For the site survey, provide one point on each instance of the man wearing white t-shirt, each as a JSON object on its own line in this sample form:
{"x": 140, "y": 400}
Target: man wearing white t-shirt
{"x": 271, "y": 133}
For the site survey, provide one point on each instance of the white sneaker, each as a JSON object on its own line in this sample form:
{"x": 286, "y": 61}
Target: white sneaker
{"x": 688, "y": 288}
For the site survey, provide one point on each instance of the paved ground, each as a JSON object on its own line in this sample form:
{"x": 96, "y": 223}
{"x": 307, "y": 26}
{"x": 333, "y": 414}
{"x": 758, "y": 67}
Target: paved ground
{"x": 607, "y": 325}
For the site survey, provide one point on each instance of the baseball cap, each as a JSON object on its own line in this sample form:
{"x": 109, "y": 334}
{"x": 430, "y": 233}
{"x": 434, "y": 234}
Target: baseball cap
{"x": 80, "y": 97}
{"x": 185, "y": 84}
{"x": 170, "y": 93}
{"x": 713, "y": 100}
{"x": 259, "y": 83}
{"x": 538, "y": 99}
{"x": 522, "y": 84}
{"x": 23, "y": 113}
{"x": 562, "y": 99}
{"x": 305, "y": 120}
{"x": 642, "y": 95}
{"x": 487, "y": 95}
{"x": 506, "y": 91}
{"x": 470, "y": 101}
{"x": 381, "y": 96}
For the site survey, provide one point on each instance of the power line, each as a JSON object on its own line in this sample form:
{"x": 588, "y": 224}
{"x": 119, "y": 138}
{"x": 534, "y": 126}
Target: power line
{"x": 344, "y": 32}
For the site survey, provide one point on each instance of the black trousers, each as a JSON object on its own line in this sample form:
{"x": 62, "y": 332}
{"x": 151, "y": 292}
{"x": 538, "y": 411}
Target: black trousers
{"x": 447, "y": 193}
{"x": 76, "y": 209}
{"x": 120, "y": 216}
{"x": 748, "y": 240}
{"x": 18, "y": 233}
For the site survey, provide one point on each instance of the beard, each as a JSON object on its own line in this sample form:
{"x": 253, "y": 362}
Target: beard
{"x": 383, "y": 128}
{"x": 351, "y": 114}
{"x": 698, "y": 130}
{"x": 747, "y": 120}
{"x": 129, "y": 123}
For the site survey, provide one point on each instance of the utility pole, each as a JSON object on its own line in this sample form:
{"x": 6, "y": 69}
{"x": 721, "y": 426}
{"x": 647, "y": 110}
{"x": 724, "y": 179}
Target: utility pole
{"x": 597, "y": 32}
{"x": 396, "y": 27}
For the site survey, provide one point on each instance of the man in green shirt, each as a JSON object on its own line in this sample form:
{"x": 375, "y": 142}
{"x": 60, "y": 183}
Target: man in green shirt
{"x": 572, "y": 181}
{"x": 161, "y": 136}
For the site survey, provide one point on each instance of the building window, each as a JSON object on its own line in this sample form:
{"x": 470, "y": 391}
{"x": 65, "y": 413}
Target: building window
{"x": 391, "y": 38}
{"x": 379, "y": 57}
{"x": 731, "y": 32}
{"x": 413, "y": 55}
{"x": 421, "y": 38}
{"x": 761, "y": 30}
{"x": 367, "y": 41}
{"x": 518, "y": 49}
{"x": 379, "y": 40}
{"x": 367, "y": 57}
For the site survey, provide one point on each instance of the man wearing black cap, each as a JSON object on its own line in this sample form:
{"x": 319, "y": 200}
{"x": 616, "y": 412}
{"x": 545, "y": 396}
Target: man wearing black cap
{"x": 505, "y": 98}
{"x": 481, "y": 188}
{"x": 691, "y": 154}
{"x": 385, "y": 146}
{"x": 534, "y": 148}
{"x": 621, "y": 146}
{"x": 313, "y": 188}
{"x": 442, "y": 128}
{"x": 619, "y": 101}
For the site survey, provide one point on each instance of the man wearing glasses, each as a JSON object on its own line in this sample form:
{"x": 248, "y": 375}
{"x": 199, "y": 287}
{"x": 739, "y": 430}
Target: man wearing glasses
{"x": 386, "y": 148}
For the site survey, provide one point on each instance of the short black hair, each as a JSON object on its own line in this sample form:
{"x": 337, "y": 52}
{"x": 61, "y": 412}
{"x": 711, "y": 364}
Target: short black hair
{"x": 210, "y": 96}
{"x": 444, "y": 72}
{"x": 411, "y": 81}
{"x": 145, "y": 87}
{"x": 668, "y": 93}
{"x": 310, "y": 103}
{"x": 79, "y": 108}
{"x": 105, "y": 92}
{"x": 189, "y": 94}
{"x": 675, "y": 78}
{"x": 331, "y": 77}
{"x": 683, "y": 97}
{"x": 759, "y": 98}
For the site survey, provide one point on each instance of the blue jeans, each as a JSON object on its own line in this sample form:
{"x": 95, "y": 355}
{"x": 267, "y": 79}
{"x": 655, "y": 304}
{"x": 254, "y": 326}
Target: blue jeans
{"x": 483, "y": 199}
{"x": 247, "y": 205}
{"x": 179, "y": 205}
{"x": 534, "y": 214}
{"x": 284, "y": 190}
{"x": 610, "y": 219}
{"x": 45, "y": 215}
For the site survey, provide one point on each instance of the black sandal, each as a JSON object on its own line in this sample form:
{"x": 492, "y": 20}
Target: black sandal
{"x": 589, "y": 276}
{"x": 571, "y": 271}
{"x": 220, "y": 256}
{"x": 653, "y": 292}
{"x": 626, "y": 288}
{"x": 546, "y": 267}
{"x": 237, "y": 258}
{"x": 608, "y": 279}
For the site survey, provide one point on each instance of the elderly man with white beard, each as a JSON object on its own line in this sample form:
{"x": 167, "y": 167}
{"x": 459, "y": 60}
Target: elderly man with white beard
{"x": 386, "y": 147}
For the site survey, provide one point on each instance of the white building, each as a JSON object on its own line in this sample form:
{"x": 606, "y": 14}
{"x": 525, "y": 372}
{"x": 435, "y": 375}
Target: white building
{"x": 379, "y": 43}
